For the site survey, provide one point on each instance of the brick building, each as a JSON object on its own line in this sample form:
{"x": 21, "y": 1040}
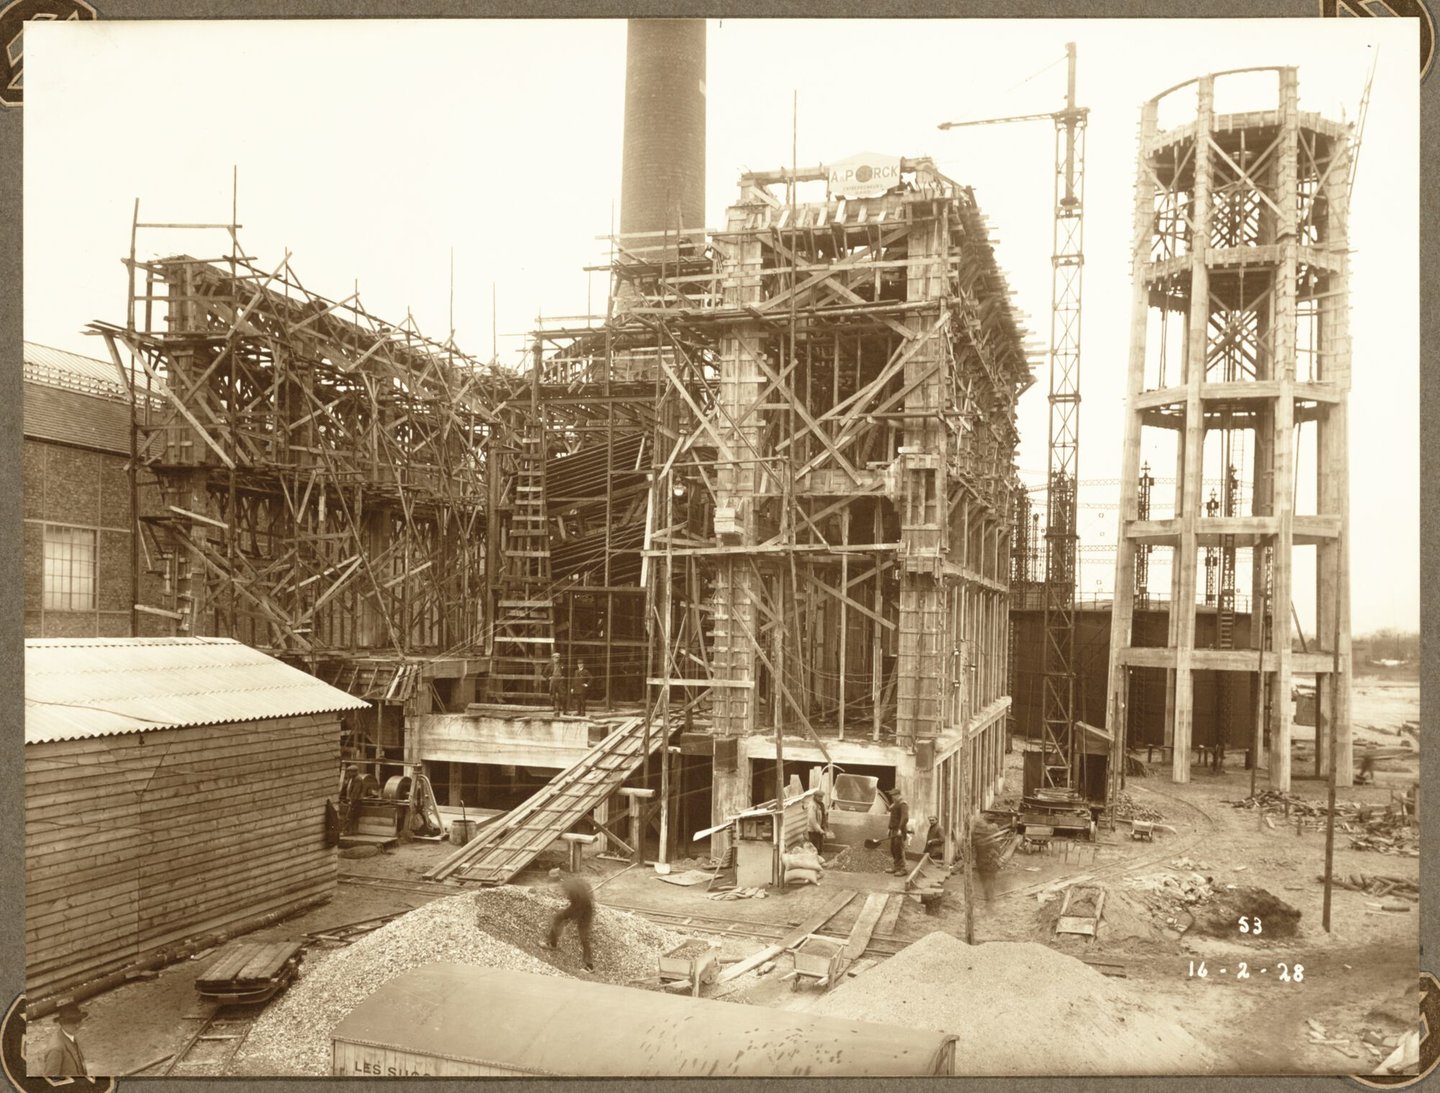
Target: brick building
{"x": 82, "y": 558}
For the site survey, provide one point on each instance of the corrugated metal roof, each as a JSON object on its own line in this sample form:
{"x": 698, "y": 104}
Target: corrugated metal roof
{"x": 84, "y": 687}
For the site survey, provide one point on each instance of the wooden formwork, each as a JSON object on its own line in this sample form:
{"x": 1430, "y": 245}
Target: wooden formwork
{"x": 829, "y": 432}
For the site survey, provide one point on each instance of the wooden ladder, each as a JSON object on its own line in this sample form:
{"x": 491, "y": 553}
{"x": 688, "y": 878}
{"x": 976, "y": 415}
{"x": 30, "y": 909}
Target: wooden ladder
{"x": 524, "y": 620}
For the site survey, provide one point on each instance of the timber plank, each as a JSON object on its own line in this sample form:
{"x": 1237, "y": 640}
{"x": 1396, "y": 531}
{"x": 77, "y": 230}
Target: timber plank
{"x": 192, "y": 776}
{"x": 42, "y": 984}
{"x": 158, "y": 739}
{"x": 85, "y": 906}
{"x": 78, "y": 835}
{"x": 254, "y": 791}
{"x": 47, "y": 949}
{"x": 98, "y": 871}
{"x": 865, "y": 925}
{"x": 809, "y": 926}
{"x": 41, "y": 768}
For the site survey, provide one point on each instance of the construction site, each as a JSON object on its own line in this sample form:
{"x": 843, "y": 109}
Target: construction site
{"x": 731, "y": 594}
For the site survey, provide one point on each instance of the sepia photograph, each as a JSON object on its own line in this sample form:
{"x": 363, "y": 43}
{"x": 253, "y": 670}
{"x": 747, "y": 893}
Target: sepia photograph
{"x": 721, "y": 548}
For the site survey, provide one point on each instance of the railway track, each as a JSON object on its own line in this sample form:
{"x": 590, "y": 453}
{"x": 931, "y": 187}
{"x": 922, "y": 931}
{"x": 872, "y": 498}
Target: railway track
{"x": 219, "y": 1031}
{"x": 880, "y": 944}
{"x": 1162, "y": 853}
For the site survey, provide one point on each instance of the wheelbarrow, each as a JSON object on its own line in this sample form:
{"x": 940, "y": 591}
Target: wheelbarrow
{"x": 817, "y": 958}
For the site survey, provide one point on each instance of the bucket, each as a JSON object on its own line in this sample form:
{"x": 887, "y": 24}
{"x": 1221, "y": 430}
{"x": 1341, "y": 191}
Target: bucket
{"x": 462, "y": 831}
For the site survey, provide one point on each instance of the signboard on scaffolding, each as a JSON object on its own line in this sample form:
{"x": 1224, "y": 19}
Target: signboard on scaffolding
{"x": 865, "y": 175}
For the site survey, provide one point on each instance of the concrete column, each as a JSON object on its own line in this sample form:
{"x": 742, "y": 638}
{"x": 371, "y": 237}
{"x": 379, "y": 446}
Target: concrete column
{"x": 1123, "y": 613}
{"x": 1332, "y": 571}
{"x": 1183, "y": 608}
{"x": 1284, "y": 444}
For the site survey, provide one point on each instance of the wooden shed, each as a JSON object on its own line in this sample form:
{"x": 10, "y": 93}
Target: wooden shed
{"x": 174, "y": 788}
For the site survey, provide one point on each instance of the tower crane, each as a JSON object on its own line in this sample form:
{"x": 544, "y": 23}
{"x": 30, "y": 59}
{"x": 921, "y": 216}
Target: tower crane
{"x": 1058, "y": 731}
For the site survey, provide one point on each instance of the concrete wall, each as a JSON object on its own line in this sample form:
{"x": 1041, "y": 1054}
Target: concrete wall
{"x": 528, "y": 741}
{"x": 1213, "y": 691}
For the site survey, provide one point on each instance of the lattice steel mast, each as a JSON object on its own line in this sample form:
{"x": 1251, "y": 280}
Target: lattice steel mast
{"x": 1067, "y": 269}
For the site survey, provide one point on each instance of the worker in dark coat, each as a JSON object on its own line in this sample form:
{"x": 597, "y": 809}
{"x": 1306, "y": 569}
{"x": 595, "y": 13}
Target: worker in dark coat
{"x": 578, "y": 686}
{"x": 64, "y": 1057}
{"x": 580, "y": 910}
{"x": 815, "y": 822}
{"x": 899, "y": 830}
{"x": 555, "y": 677}
{"x": 935, "y": 840}
{"x": 986, "y": 843}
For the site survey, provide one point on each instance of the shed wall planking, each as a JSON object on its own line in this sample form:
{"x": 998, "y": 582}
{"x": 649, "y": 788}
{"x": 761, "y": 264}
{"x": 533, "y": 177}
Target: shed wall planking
{"x": 142, "y": 841}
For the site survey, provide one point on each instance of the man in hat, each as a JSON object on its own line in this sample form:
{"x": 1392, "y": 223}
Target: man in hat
{"x": 578, "y": 686}
{"x": 580, "y": 910}
{"x": 64, "y": 1058}
{"x": 555, "y": 677}
{"x": 899, "y": 829}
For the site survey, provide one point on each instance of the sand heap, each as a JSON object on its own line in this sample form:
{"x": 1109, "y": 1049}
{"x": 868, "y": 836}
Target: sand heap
{"x": 1018, "y": 1009}
{"x": 494, "y": 928}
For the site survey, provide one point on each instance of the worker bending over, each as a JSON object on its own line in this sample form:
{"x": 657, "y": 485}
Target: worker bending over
{"x": 580, "y": 910}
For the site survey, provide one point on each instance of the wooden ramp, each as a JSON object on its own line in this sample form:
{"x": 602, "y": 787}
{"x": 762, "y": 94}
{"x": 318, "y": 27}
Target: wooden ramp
{"x": 513, "y": 841}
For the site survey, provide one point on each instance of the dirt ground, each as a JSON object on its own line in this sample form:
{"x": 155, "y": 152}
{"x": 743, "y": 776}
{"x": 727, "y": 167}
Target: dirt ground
{"x": 1358, "y": 977}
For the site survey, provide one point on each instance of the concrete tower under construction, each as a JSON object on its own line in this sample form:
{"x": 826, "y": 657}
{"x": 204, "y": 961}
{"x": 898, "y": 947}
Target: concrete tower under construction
{"x": 1239, "y": 367}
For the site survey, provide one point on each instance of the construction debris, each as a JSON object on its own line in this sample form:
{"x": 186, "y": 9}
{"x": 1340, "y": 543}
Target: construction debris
{"x": 1167, "y": 888}
{"x": 939, "y": 982}
{"x": 1125, "y": 807}
{"x": 1369, "y": 827}
{"x": 1399, "y": 887}
{"x": 739, "y": 893}
{"x": 1220, "y": 914}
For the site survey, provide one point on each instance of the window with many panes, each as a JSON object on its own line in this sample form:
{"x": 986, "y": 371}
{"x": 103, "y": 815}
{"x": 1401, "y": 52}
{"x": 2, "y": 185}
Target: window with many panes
{"x": 69, "y": 568}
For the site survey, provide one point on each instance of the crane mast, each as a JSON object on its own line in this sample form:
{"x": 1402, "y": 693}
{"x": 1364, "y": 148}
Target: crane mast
{"x": 1058, "y": 731}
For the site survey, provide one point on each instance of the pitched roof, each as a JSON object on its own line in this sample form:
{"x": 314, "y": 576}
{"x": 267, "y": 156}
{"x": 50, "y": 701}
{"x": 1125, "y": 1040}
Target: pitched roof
{"x": 60, "y": 368}
{"x": 85, "y": 687}
{"x": 73, "y": 399}
{"x": 64, "y": 416}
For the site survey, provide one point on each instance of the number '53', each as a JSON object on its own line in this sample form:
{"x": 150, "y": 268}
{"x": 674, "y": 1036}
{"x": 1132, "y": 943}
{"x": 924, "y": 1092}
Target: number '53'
{"x": 1249, "y": 925}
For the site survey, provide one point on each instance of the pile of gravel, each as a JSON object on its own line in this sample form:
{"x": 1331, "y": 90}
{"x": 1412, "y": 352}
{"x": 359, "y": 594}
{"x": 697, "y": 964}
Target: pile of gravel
{"x": 493, "y": 928}
{"x": 626, "y": 947}
{"x": 1087, "y": 1024}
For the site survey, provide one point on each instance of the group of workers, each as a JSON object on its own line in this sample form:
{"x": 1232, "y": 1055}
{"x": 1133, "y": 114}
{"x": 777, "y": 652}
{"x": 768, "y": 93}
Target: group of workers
{"x": 985, "y": 842}
{"x": 563, "y": 691}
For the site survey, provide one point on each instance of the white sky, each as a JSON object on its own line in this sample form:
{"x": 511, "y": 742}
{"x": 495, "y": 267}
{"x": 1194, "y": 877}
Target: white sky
{"x": 371, "y": 149}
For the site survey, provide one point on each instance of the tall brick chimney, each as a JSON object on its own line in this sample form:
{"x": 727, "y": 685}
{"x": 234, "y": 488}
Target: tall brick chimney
{"x": 662, "y": 183}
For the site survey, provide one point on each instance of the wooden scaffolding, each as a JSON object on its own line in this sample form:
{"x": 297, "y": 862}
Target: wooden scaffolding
{"x": 823, "y": 395}
{"x": 321, "y": 472}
